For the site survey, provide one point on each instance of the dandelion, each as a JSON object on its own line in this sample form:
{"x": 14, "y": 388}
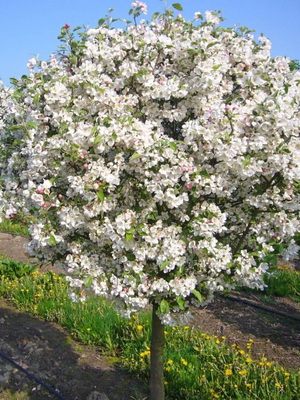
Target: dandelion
{"x": 269, "y": 364}
{"x": 228, "y": 372}
{"x": 145, "y": 353}
{"x": 184, "y": 362}
{"x": 170, "y": 362}
{"x": 243, "y": 372}
{"x": 139, "y": 327}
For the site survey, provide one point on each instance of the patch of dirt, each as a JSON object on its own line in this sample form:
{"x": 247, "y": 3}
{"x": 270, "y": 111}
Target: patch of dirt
{"x": 80, "y": 372}
{"x": 274, "y": 327}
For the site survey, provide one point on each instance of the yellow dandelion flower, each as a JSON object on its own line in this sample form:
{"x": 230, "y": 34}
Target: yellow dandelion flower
{"x": 184, "y": 362}
{"x": 277, "y": 384}
{"x": 243, "y": 372}
{"x": 218, "y": 341}
{"x": 241, "y": 352}
{"x": 269, "y": 364}
{"x": 228, "y": 372}
{"x": 249, "y": 360}
{"x": 170, "y": 362}
{"x": 139, "y": 327}
{"x": 196, "y": 348}
{"x": 287, "y": 374}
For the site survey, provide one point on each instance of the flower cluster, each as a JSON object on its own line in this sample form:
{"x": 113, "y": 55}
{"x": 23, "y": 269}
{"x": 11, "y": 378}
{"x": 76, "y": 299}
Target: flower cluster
{"x": 141, "y": 6}
{"x": 161, "y": 163}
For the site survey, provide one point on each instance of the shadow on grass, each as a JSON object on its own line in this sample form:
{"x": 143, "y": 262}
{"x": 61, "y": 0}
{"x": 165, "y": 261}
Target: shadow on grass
{"x": 46, "y": 351}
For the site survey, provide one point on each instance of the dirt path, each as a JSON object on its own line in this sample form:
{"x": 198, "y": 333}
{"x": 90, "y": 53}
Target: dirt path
{"x": 13, "y": 246}
{"x": 45, "y": 350}
{"x": 80, "y": 372}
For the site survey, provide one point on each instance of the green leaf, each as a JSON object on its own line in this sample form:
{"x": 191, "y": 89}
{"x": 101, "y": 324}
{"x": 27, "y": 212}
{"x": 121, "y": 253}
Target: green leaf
{"x": 246, "y": 161}
{"x": 88, "y": 281}
{"x": 101, "y": 21}
{"x": 94, "y": 130}
{"x": 98, "y": 139}
{"x": 14, "y": 128}
{"x": 215, "y": 67}
{"x": 173, "y": 146}
{"x": 129, "y": 234}
{"x": 130, "y": 256}
{"x": 52, "y": 240}
{"x": 155, "y": 15}
{"x": 100, "y": 195}
{"x": 197, "y": 295}
{"x": 180, "y": 301}
{"x": 31, "y": 125}
{"x": 164, "y": 306}
{"x": 177, "y": 6}
{"x": 36, "y": 99}
{"x": 135, "y": 156}
{"x": 13, "y": 81}
{"x": 163, "y": 265}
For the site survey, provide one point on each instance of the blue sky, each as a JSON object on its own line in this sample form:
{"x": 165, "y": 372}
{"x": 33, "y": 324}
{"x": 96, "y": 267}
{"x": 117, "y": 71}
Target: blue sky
{"x": 31, "y": 27}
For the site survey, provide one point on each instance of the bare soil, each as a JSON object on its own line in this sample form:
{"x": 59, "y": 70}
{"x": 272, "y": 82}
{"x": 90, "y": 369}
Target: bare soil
{"x": 81, "y": 372}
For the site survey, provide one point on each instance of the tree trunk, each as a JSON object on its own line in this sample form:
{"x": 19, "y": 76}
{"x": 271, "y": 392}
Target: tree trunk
{"x": 157, "y": 389}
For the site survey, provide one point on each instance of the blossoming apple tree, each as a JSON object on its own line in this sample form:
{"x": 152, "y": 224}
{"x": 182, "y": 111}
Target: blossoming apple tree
{"x": 160, "y": 162}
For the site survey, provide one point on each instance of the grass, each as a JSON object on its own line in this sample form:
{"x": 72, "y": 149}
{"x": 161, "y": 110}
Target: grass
{"x": 14, "y": 227}
{"x": 8, "y": 395}
{"x": 283, "y": 282}
{"x": 197, "y": 366}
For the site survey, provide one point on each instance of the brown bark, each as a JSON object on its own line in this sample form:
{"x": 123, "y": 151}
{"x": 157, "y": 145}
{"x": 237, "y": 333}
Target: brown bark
{"x": 157, "y": 389}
